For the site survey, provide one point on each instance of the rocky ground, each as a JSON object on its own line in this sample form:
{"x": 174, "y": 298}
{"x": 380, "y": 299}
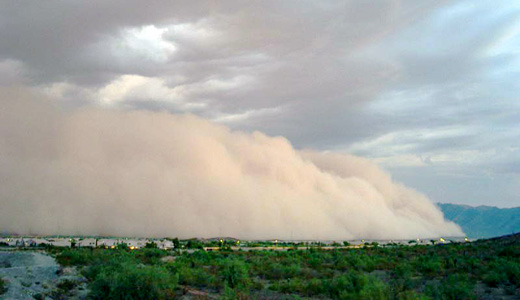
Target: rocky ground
{"x": 36, "y": 275}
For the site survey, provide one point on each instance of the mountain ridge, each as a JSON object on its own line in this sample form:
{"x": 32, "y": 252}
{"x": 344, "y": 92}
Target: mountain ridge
{"x": 483, "y": 221}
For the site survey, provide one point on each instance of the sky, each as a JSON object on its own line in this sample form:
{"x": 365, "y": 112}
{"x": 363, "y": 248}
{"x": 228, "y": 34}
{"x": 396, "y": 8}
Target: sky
{"x": 428, "y": 90}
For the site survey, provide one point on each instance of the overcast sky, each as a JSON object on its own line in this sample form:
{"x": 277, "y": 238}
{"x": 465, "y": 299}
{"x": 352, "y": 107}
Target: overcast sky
{"x": 428, "y": 89}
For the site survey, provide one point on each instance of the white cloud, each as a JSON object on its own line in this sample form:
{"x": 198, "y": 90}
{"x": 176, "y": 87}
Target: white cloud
{"x": 246, "y": 115}
{"x": 138, "y": 87}
{"x": 146, "y": 41}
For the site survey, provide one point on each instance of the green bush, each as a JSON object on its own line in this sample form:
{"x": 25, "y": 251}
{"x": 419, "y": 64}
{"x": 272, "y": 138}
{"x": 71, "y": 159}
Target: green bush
{"x": 294, "y": 285}
{"x": 194, "y": 244}
{"x": 430, "y": 266}
{"x": 494, "y": 278}
{"x": 512, "y": 271}
{"x": 412, "y": 295}
{"x": 233, "y": 294}
{"x": 150, "y": 245}
{"x": 130, "y": 281}
{"x": 195, "y": 277}
{"x": 315, "y": 287}
{"x": 150, "y": 255}
{"x": 234, "y": 273}
{"x": 3, "y": 286}
{"x": 373, "y": 289}
{"x": 343, "y": 285}
{"x": 456, "y": 286}
{"x": 360, "y": 262}
{"x": 75, "y": 257}
{"x": 402, "y": 283}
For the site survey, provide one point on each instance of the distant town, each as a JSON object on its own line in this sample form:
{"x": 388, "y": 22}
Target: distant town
{"x": 206, "y": 244}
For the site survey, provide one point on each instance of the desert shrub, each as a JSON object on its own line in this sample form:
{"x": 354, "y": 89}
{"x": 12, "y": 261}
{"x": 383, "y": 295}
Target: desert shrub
{"x": 150, "y": 255}
{"x": 402, "y": 282}
{"x": 195, "y": 277}
{"x": 3, "y": 286}
{"x": 103, "y": 260}
{"x": 433, "y": 290}
{"x": 360, "y": 262}
{"x": 194, "y": 244}
{"x": 75, "y": 257}
{"x": 292, "y": 270}
{"x": 294, "y": 285}
{"x": 512, "y": 271}
{"x": 203, "y": 257}
{"x": 494, "y": 278}
{"x": 67, "y": 285}
{"x": 373, "y": 289}
{"x": 456, "y": 286}
{"x": 403, "y": 270}
{"x": 315, "y": 286}
{"x": 257, "y": 285}
{"x": 234, "y": 294}
{"x": 430, "y": 266}
{"x": 62, "y": 290}
{"x": 354, "y": 285}
{"x": 234, "y": 273}
{"x": 315, "y": 261}
{"x": 510, "y": 251}
{"x": 131, "y": 281}
{"x": 277, "y": 271}
{"x": 412, "y": 295}
{"x": 344, "y": 284}
{"x": 150, "y": 245}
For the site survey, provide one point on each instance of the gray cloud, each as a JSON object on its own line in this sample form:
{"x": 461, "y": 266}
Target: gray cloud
{"x": 339, "y": 76}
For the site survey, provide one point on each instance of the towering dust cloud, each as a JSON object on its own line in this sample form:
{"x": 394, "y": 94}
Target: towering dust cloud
{"x": 99, "y": 172}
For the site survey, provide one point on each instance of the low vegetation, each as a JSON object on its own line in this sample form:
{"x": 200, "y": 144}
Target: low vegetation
{"x": 442, "y": 271}
{"x": 3, "y": 286}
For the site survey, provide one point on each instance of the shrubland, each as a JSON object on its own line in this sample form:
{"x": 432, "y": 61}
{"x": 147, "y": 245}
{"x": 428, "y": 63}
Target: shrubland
{"x": 441, "y": 271}
{"x": 3, "y": 286}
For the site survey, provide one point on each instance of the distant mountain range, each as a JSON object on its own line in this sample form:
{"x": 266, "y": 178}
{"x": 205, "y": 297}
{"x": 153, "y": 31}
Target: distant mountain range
{"x": 483, "y": 221}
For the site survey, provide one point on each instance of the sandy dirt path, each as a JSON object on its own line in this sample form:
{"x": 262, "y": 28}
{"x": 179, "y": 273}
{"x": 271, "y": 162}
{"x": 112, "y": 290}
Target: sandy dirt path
{"x": 27, "y": 273}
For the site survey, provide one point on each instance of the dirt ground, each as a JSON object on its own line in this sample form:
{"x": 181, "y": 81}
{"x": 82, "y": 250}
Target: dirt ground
{"x": 36, "y": 275}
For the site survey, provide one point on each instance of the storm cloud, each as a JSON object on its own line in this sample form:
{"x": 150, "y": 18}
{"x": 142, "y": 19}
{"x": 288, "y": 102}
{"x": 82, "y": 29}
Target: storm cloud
{"x": 426, "y": 90}
{"x": 135, "y": 173}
